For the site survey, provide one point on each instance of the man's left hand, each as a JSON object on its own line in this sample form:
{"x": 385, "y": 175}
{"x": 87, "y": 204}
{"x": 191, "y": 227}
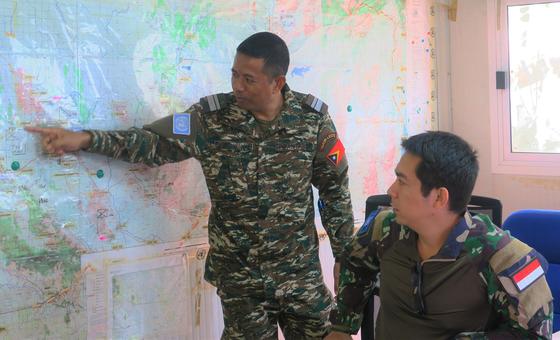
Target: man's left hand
{"x": 338, "y": 336}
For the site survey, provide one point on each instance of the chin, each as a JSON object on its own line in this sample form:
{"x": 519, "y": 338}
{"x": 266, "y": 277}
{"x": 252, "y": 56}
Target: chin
{"x": 244, "y": 106}
{"x": 399, "y": 219}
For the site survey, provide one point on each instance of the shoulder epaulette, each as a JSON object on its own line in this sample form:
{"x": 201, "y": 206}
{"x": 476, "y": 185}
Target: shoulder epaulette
{"x": 484, "y": 238}
{"x": 387, "y": 232}
{"x": 214, "y": 102}
{"x": 315, "y": 104}
{"x": 372, "y": 227}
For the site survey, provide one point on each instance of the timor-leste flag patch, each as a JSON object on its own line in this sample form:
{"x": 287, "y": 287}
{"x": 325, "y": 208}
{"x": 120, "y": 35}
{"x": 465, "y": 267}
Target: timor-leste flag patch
{"x": 337, "y": 153}
{"x": 530, "y": 273}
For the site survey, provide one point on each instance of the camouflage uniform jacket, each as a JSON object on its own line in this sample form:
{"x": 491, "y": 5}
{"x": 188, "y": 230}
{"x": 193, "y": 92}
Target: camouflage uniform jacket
{"x": 467, "y": 290}
{"x": 262, "y": 215}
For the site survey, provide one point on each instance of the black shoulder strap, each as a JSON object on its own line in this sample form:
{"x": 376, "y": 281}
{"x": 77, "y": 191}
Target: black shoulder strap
{"x": 214, "y": 102}
{"x": 315, "y": 104}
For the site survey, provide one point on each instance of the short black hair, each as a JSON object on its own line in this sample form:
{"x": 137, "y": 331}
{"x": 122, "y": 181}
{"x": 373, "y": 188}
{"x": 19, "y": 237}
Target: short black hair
{"x": 447, "y": 161}
{"x": 271, "y": 48}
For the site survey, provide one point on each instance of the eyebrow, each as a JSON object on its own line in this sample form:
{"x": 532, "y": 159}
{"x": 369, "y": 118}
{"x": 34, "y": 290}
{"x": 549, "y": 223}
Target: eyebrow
{"x": 400, "y": 174}
{"x": 244, "y": 75}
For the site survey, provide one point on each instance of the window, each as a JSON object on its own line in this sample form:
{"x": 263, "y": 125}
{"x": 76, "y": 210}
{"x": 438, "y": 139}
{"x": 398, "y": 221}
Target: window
{"x": 527, "y": 119}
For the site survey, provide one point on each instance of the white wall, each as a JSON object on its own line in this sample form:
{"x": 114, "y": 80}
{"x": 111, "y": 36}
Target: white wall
{"x": 470, "y": 112}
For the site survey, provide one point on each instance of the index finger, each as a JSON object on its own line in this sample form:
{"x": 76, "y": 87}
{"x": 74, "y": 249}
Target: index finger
{"x": 36, "y": 129}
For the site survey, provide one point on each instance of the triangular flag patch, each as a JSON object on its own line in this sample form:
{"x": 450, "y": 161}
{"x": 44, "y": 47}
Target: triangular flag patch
{"x": 528, "y": 274}
{"x": 337, "y": 153}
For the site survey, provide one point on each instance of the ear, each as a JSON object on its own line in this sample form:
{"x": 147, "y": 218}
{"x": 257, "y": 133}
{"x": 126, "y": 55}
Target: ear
{"x": 441, "y": 198}
{"x": 279, "y": 83}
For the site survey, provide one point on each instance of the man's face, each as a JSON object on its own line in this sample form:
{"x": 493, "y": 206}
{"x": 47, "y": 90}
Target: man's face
{"x": 252, "y": 88}
{"x": 410, "y": 206}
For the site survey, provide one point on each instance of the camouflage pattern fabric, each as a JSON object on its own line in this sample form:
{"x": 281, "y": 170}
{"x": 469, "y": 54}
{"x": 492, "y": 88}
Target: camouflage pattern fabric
{"x": 263, "y": 241}
{"x": 467, "y": 289}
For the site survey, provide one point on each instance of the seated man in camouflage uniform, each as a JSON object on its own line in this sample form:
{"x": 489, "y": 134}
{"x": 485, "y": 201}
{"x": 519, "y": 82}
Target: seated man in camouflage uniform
{"x": 441, "y": 273}
{"x": 261, "y": 148}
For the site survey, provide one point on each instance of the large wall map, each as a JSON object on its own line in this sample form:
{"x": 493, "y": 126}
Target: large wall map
{"x": 96, "y": 248}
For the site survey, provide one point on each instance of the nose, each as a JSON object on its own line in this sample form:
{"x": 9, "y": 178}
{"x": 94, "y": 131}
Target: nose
{"x": 392, "y": 191}
{"x": 237, "y": 85}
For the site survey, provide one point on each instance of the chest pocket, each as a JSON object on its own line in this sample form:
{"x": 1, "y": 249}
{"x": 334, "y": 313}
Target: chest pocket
{"x": 456, "y": 294}
{"x": 286, "y": 166}
{"x": 227, "y": 170}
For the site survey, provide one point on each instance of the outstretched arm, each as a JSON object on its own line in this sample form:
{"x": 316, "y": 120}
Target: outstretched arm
{"x": 60, "y": 141}
{"x": 154, "y": 144}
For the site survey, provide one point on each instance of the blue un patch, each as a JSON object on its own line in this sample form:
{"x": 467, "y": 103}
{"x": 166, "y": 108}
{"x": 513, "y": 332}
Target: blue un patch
{"x": 182, "y": 124}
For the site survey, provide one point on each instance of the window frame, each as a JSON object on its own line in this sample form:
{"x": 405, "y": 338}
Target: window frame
{"x": 504, "y": 161}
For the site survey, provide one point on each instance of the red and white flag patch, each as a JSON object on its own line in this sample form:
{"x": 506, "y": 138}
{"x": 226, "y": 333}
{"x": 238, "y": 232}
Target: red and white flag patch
{"x": 528, "y": 274}
{"x": 337, "y": 153}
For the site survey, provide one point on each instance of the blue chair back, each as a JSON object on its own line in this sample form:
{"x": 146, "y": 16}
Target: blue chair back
{"x": 540, "y": 229}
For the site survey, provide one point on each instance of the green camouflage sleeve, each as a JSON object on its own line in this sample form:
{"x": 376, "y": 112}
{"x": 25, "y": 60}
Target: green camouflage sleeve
{"x": 171, "y": 139}
{"x": 330, "y": 177}
{"x": 519, "y": 293}
{"x": 359, "y": 274}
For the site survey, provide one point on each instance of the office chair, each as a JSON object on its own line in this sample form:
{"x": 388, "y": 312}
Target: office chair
{"x": 540, "y": 229}
{"x": 477, "y": 205}
{"x": 367, "y": 328}
{"x": 488, "y": 206}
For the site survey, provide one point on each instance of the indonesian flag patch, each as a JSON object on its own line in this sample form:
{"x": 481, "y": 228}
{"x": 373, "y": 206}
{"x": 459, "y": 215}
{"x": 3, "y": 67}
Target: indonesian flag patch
{"x": 528, "y": 274}
{"x": 337, "y": 153}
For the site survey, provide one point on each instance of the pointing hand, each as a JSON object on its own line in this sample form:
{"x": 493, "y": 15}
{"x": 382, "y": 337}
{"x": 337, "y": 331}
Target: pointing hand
{"x": 60, "y": 141}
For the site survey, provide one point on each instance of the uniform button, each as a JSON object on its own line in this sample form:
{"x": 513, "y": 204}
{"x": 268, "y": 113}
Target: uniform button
{"x": 252, "y": 189}
{"x": 263, "y": 212}
{"x": 252, "y": 256}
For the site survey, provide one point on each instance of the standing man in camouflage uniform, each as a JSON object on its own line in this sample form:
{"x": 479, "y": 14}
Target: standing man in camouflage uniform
{"x": 440, "y": 273}
{"x": 261, "y": 148}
